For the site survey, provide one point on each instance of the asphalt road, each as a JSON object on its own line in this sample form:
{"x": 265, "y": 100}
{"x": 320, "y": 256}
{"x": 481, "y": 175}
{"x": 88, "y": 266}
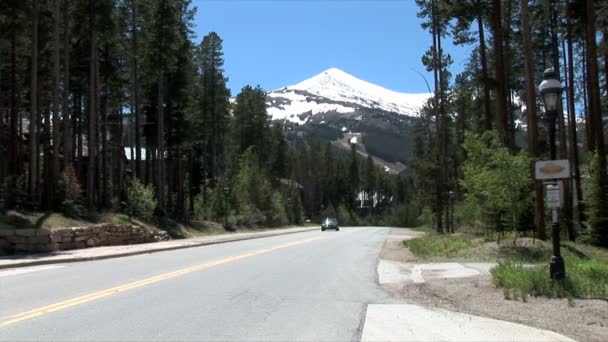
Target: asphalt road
{"x": 312, "y": 286}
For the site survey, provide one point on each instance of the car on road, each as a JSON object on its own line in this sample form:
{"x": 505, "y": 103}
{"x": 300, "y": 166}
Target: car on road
{"x": 330, "y": 223}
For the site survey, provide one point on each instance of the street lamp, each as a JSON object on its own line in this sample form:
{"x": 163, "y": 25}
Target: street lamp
{"x": 551, "y": 91}
{"x": 227, "y": 195}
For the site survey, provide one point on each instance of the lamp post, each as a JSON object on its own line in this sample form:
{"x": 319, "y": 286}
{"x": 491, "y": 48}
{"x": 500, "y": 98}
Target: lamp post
{"x": 551, "y": 91}
{"x": 227, "y": 195}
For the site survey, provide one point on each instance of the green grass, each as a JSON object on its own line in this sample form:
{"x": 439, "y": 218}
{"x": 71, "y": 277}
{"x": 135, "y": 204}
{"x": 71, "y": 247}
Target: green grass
{"x": 585, "y": 278}
{"x": 439, "y": 245}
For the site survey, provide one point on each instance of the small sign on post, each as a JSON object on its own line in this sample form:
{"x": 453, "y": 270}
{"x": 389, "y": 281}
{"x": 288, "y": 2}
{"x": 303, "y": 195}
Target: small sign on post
{"x": 552, "y": 169}
{"x": 554, "y": 196}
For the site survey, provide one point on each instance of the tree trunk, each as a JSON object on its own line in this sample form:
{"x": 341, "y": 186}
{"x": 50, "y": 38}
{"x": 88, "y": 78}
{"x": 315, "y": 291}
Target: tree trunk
{"x": 605, "y": 43}
{"x": 574, "y": 162}
{"x": 160, "y": 186}
{"x": 135, "y": 80}
{"x": 539, "y": 209}
{"x": 67, "y": 123}
{"x": 34, "y": 108}
{"x": 103, "y": 114}
{"x": 508, "y": 51}
{"x": 15, "y": 139}
{"x": 438, "y": 120}
{"x": 499, "y": 67}
{"x": 92, "y": 133}
{"x": 54, "y": 175}
{"x": 484, "y": 75}
{"x": 587, "y": 116}
{"x": 594, "y": 100}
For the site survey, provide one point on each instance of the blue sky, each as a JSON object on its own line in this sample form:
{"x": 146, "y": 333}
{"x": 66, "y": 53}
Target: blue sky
{"x": 275, "y": 43}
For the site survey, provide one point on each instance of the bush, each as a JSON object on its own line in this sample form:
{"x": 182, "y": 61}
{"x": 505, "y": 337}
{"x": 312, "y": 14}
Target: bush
{"x": 68, "y": 193}
{"x": 585, "y": 278}
{"x": 404, "y": 215}
{"x": 276, "y": 216}
{"x": 344, "y": 216}
{"x": 425, "y": 217}
{"x": 141, "y": 200}
{"x": 438, "y": 245}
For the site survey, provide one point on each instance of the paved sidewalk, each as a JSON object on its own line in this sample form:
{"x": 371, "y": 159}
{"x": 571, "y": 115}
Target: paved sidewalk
{"x": 406, "y": 322}
{"x": 106, "y": 252}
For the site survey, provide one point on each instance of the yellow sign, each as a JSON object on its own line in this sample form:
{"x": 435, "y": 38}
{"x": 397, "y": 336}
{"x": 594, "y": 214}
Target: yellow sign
{"x": 552, "y": 169}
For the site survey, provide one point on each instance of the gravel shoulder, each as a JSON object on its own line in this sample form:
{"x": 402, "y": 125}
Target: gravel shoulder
{"x": 587, "y": 320}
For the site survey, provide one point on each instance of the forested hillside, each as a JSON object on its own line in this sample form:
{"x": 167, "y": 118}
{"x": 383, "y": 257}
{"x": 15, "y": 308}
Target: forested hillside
{"x": 116, "y": 106}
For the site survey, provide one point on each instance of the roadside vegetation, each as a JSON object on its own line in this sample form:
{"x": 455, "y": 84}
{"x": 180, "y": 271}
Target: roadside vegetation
{"x": 522, "y": 269}
{"x": 586, "y": 278}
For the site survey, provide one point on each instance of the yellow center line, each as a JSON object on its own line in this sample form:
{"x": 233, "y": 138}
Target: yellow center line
{"x": 129, "y": 286}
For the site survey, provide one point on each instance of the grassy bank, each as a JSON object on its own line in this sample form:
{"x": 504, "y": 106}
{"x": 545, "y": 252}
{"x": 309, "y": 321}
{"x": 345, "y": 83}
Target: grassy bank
{"x": 433, "y": 245}
{"x": 586, "y": 278}
{"x": 522, "y": 269}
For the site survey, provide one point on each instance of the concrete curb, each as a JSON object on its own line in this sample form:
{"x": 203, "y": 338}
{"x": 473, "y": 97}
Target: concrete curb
{"x": 28, "y": 263}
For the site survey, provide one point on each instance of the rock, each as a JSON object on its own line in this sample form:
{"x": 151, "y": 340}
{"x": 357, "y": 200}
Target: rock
{"x": 91, "y": 242}
{"x": 44, "y": 232}
{"x": 26, "y": 232}
{"x": 7, "y": 232}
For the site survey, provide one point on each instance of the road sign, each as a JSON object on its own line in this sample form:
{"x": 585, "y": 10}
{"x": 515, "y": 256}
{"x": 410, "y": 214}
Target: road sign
{"x": 554, "y": 196}
{"x": 552, "y": 169}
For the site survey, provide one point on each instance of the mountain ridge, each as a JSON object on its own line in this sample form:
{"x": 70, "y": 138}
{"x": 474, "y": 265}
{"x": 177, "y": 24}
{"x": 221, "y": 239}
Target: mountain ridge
{"x": 336, "y": 91}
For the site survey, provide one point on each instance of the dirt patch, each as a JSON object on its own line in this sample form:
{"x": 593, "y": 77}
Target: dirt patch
{"x": 587, "y": 320}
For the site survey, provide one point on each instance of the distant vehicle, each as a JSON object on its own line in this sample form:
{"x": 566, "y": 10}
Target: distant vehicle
{"x": 330, "y": 223}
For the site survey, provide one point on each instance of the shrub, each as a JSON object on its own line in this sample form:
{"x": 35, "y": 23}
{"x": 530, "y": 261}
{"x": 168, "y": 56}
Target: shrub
{"x": 68, "y": 193}
{"x": 426, "y": 216}
{"x": 141, "y": 200}
{"x": 277, "y": 215}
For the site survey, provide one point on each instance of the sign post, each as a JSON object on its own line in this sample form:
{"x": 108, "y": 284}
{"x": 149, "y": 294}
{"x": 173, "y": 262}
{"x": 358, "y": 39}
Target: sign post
{"x": 552, "y": 171}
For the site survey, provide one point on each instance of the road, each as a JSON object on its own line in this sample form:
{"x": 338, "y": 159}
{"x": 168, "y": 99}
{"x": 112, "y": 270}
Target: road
{"x": 311, "y": 286}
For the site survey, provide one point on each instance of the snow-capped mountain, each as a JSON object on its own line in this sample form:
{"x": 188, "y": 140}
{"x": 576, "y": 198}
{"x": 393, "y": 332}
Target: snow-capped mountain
{"x": 335, "y": 91}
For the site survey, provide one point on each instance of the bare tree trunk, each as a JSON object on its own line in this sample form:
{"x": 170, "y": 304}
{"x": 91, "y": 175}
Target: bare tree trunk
{"x": 135, "y": 80}
{"x": 13, "y": 141}
{"x": 499, "y": 67}
{"x": 54, "y": 175}
{"x": 67, "y": 123}
{"x": 484, "y": 75}
{"x": 594, "y": 100}
{"x": 92, "y": 133}
{"x": 78, "y": 135}
{"x": 605, "y": 43}
{"x": 160, "y": 137}
{"x": 103, "y": 114}
{"x": 33, "y": 183}
{"x": 539, "y": 209}
{"x": 438, "y": 120}
{"x": 572, "y": 119}
{"x": 588, "y": 130}
{"x": 508, "y": 51}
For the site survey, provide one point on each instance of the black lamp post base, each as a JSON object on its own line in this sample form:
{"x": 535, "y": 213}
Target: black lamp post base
{"x": 557, "y": 269}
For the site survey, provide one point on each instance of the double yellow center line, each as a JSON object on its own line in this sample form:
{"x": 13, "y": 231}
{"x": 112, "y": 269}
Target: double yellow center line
{"x": 129, "y": 286}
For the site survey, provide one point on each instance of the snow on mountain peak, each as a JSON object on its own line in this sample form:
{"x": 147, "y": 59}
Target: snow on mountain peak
{"x": 338, "y": 85}
{"x": 334, "y": 90}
